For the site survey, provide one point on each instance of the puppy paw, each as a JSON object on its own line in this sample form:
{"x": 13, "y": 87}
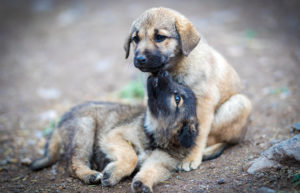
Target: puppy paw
{"x": 106, "y": 181}
{"x": 139, "y": 187}
{"x": 110, "y": 176}
{"x": 94, "y": 178}
{"x": 188, "y": 165}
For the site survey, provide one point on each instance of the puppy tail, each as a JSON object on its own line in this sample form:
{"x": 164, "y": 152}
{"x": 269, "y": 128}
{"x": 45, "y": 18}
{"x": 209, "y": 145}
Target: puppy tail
{"x": 214, "y": 151}
{"x": 52, "y": 153}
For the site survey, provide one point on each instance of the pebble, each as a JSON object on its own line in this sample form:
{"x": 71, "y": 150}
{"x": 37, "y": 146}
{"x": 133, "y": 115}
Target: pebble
{"x": 13, "y": 160}
{"x": 296, "y": 127}
{"x": 52, "y": 178}
{"x": 265, "y": 190}
{"x": 221, "y": 181}
{"x": 260, "y": 175}
{"x": 200, "y": 189}
{"x": 49, "y": 115}
{"x": 212, "y": 166}
{"x": 26, "y": 161}
{"x": 4, "y": 162}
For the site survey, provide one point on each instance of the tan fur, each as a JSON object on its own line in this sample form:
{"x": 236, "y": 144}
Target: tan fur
{"x": 222, "y": 111}
{"x": 96, "y": 127}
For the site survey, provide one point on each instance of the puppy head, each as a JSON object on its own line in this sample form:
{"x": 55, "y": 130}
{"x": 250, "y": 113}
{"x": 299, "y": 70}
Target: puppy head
{"x": 159, "y": 36}
{"x": 171, "y": 111}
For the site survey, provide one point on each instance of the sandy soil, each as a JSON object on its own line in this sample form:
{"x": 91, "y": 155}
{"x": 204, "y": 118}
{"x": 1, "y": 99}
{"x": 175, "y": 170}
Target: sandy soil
{"x": 56, "y": 54}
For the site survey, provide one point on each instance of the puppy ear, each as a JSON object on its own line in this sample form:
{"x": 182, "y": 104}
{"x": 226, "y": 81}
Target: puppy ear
{"x": 188, "y": 134}
{"x": 127, "y": 45}
{"x": 129, "y": 40}
{"x": 189, "y": 37}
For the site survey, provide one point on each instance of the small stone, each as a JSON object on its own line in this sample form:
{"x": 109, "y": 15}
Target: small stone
{"x": 26, "y": 161}
{"x": 296, "y": 127}
{"x": 212, "y": 166}
{"x": 260, "y": 175}
{"x": 221, "y": 181}
{"x": 200, "y": 189}
{"x": 60, "y": 188}
{"x": 49, "y": 115}
{"x": 2, "y": 169}
{"x": 63, "y": 185}
{"x": 13, "y": 160}
{"x": 4, "y": 162}
{"x": 265, "y": 190}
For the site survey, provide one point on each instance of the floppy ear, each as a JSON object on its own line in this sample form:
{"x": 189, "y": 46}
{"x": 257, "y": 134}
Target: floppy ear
{"x": 128, "y": 40}
{"x": 189, "y": 37}
{"x": 188, "y": 134}
{"x": 127, "y": 45}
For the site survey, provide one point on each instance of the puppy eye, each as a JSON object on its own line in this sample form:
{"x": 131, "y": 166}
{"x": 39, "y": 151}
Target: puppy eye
{"x": 177, "y": 98}
{"x": 159, "y": 38}
{"x": 136, "y": 39}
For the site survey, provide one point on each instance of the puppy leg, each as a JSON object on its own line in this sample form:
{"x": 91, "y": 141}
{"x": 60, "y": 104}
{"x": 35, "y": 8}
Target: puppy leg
{"x": 157, "y": 167}
{"x": 230, "y": 120}
{"x": 205, "y": 115}
{"x": 82, "y": 151}
{"x": 123, "y": 156}
{"x": 227, "y": 125}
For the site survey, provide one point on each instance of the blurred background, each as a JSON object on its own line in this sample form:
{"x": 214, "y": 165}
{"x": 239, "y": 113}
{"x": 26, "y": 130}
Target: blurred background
{"x": 55, "y": 54}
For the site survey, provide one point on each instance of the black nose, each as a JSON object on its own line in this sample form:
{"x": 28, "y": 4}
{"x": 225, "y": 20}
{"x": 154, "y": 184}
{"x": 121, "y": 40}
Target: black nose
{"x": 141, "y": 59}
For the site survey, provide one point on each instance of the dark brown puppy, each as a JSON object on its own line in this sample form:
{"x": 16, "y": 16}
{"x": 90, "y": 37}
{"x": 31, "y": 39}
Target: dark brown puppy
{"x": 158, "y": 137}
{"x": 165, "y": 39}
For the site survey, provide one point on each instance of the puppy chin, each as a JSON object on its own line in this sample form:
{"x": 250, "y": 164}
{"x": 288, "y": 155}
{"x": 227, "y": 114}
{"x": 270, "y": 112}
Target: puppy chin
{"x": 150, "y": 69}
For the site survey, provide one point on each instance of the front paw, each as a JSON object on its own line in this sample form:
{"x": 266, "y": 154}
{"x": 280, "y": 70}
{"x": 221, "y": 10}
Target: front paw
{"x": 110, "y": 178}
{"x": 138, "y": 187}
{"x": 94, "y": 178}
{"x": 188, "y": 165}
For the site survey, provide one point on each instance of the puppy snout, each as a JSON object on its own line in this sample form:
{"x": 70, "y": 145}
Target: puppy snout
{"x": 141, "y": 59}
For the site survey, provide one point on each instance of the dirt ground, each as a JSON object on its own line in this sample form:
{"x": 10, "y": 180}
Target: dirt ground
{"x": 55, "y": 54}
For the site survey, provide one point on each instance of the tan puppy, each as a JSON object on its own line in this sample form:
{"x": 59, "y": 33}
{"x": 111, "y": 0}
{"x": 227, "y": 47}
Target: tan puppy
{"x": 115, "y": 138}
{"x": 165, "y": 39}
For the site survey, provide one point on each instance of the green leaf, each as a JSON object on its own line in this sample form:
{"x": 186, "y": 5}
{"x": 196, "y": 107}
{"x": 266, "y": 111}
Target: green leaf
{"x": 296, "y": 179}
{"x": 133, "y": 90}
{"x": 49, "y": 127}
{"x": 250, "y": 34}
